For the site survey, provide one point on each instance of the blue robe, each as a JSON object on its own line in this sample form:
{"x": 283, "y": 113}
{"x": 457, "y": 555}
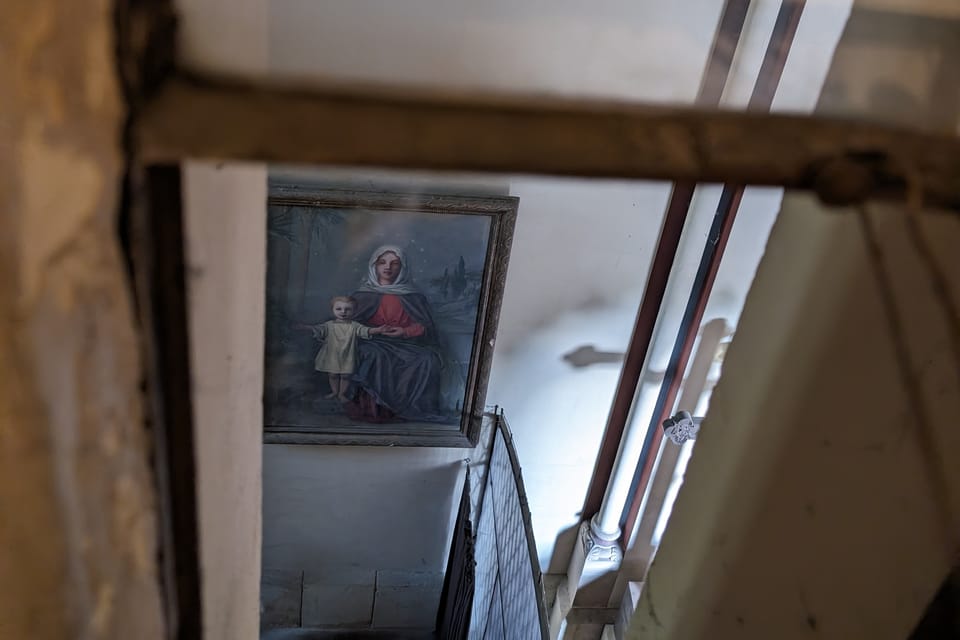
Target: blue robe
{"x": 401, "y": 377}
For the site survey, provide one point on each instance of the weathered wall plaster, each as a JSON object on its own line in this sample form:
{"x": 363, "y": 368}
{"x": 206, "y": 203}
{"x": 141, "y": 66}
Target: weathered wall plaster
{"x": 78, "y": 527}
{"x": 823, "y": 496}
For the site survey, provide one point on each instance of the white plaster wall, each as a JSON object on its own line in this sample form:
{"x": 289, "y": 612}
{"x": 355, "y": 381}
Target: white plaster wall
{"x": 224, "y": 36}
{"x": 360, "y": 536}
{"x": 330, "y": 510}
{"x": 581, "y": 255}
{"x": 642, "y": 49}
{"x": 578, "y": 245}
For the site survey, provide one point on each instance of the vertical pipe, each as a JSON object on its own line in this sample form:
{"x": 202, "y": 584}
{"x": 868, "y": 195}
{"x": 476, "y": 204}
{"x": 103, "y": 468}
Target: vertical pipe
{"x": 719, "y": 62}
{"x": 689, "y": 326}
{"x": 711, "y": 335}
{"x": 768, "y": 79}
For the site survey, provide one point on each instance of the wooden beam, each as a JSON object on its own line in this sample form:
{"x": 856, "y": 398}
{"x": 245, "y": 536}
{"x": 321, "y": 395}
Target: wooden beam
{"x": 843, "y": 161}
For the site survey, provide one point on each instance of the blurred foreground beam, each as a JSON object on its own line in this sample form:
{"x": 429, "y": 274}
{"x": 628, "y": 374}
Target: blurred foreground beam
{"x": 842, "y": 161}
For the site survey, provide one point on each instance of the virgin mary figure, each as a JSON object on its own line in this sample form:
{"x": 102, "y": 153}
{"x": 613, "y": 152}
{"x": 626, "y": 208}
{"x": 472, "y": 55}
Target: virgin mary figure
{"x": 399, "y": 372}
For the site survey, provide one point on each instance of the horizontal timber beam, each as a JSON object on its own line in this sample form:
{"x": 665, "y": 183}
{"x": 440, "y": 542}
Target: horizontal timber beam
{"x": 843, "y": 161}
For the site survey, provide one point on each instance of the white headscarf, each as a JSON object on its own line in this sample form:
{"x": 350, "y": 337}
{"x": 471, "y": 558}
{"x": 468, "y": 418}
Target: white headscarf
{"x": 404, "y": 282}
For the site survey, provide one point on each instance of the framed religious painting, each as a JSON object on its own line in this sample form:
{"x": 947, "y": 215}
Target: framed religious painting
{"x": 381, "y": 314}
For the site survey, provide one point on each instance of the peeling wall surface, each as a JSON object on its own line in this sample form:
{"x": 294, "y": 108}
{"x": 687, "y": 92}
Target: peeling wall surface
{"x": 823, "y": 497}
{"x": 78, "y": 529}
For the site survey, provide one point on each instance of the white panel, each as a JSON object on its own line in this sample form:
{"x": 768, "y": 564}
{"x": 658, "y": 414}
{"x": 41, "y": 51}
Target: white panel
{"x": 225, "y": 226}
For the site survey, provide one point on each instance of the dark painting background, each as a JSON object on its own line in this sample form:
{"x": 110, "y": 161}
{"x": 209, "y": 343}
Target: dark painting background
{"x": 314, "y": 254}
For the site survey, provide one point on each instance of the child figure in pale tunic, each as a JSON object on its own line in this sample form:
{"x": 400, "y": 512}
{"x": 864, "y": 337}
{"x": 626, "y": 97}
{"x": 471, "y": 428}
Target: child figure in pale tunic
{"x": 338, "y": 353}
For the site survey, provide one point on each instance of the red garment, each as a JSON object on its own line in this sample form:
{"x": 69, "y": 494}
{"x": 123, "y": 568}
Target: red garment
{"x": 391, "y": 313}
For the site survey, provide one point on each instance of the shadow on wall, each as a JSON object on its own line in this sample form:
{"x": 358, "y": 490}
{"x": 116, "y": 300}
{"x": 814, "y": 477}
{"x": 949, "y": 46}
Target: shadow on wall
{"x": 556, "y": 387}
{"x": 588, "y": 355}
{"x": 566, "y": 539}
{"x": 556, "y": 381}
{"x": 357, "y": 507}
{"x": 914, "y": 77}
{"x": 648, "y": 51}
